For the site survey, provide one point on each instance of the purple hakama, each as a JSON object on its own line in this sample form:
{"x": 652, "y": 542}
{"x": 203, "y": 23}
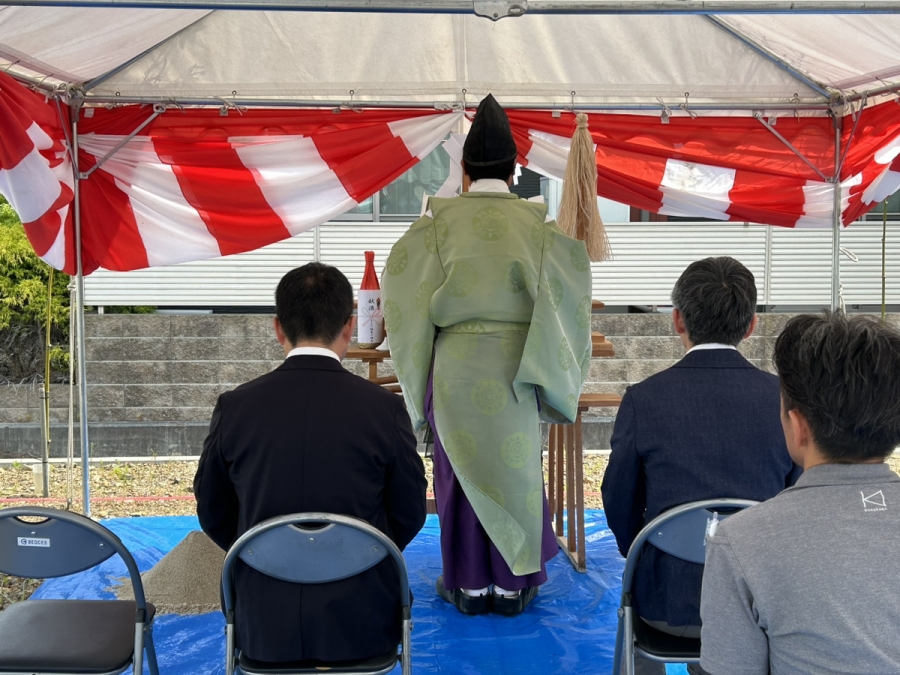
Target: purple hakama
{"x": 469, "y": 558}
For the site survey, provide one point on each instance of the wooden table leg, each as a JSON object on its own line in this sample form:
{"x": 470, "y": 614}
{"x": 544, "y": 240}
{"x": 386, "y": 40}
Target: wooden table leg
{"x": 560, "y": 480}
{"x": 551, "y": 470}
{"x": 570, "y": 487}
{"x": 580, "y": 558}
{"x": 373, "y": 370}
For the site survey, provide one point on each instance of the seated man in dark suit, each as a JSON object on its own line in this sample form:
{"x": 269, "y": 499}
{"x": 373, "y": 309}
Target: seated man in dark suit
{"x": 707, "y": 427}
{"x": 311, "y": 436}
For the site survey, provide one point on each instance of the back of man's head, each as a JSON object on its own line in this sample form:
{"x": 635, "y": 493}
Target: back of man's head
{"x": 717, "y": 300}
{"x": 313, "y": 303}
{"x": 843, "y": 375}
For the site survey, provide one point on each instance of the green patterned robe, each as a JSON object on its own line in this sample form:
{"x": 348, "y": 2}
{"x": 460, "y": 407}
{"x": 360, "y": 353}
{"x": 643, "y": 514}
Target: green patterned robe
{"x": 501, "y": 301}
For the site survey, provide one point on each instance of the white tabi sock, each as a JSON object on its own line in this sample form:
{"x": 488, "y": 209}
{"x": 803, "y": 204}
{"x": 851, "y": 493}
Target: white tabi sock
{"x": 502, "y": 592}
{"x": 477, "y": 592}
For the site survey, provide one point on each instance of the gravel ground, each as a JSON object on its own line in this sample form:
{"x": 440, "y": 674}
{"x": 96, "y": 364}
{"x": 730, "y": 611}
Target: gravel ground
{"x": 162, "y": 488}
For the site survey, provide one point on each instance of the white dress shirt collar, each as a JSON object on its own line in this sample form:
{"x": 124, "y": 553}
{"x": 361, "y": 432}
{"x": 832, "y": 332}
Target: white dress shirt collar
{"x": 489, "y": 185}
{"x": 312, "y": 351}
{"x": 710, "y": 345}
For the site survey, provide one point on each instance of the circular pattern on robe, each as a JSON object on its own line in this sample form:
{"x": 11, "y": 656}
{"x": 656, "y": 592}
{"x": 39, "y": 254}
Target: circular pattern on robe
{"x": 495, "y": 494}
{"x": 460, "y": 447}
{"x": 564, "y": 355}
{"x": 579, "y": 257}
{"x": 542, "y": 237}
{"x": 423, "y": 298}
{"x": 460, "y": 346}
{"x": 463, "y": 279}
{"x": 421, "y": 355}
{"x": 517, "y": 277}
{"x": 515, "y": 450}
{"x": 490, "y": 224}
{"x": 513, "y": 343}
{"x": 583, "y": 313}
{"x": 555, "y": 291}
{"x": 397, "y": 260}
{"x": 436, "y": 235}
{"x": 393, "y": 316}
{"x": 572, "y": 402}
{"x": 440, "y": 392}
{"x": 489, "y": 396}
{"x": 534, "y": 502}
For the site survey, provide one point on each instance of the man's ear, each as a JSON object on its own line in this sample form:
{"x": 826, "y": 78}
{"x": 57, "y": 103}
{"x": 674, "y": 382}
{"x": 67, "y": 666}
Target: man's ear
{"x": 279, "y": 331}
{"x": 752, "y": 328}
{"x": 800, "y": 429}
{"x": 678, "y": 322}
{"x": 347, "y": 331}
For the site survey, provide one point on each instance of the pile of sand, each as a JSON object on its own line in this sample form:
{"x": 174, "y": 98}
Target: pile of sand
{"x": 185, "y": 581}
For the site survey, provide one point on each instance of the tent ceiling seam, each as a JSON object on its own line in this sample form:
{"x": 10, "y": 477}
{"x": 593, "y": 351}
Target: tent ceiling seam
{"x": 100, "y": 79}
{"x": 773, "y": 58}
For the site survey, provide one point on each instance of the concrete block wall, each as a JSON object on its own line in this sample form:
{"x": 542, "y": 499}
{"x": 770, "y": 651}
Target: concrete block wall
{"x": 154, "y": 378}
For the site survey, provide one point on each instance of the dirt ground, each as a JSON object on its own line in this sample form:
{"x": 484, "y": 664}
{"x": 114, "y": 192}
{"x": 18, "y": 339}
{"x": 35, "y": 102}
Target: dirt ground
{"x": 161, "y": 488}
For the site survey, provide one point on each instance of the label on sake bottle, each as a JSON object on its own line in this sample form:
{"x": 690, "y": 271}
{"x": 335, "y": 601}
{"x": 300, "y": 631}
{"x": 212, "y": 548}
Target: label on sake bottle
{"x": 370, "y": 319}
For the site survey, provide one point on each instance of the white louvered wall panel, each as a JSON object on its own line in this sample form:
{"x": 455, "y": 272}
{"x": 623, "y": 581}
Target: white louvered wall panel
{"x": 343, "y": 244}
{"x": 245, "y": 279}
{"x": 648, "y": 259}
{"x": 801, "y": 266}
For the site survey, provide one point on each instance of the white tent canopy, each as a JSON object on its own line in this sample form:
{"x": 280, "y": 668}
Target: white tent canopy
{"x": 619, "y": 61}
{"x": 665, "y": 58}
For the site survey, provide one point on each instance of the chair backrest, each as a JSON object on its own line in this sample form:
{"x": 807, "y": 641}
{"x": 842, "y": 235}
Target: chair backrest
{"x": 312, "y": 548}
{"x": 62, "y": 543}
{"x": 681, "y": 531}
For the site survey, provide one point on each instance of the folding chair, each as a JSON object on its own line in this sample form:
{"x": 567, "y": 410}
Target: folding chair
{"x": 313, "y": 548}
{"x": 92, "y": 637}
{"x": 681, "y": 532}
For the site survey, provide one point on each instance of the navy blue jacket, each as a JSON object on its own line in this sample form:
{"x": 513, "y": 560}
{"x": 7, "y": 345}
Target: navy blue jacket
{"x": 311, "y": 436}
{"x": 708, "y": 427}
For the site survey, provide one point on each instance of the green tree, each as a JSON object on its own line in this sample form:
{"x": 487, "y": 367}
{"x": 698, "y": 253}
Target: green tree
{"x": 23, "y": 303}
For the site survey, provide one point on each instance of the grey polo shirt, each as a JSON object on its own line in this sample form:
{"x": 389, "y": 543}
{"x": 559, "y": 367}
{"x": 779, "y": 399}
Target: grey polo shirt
{"x": 809, "y": 581}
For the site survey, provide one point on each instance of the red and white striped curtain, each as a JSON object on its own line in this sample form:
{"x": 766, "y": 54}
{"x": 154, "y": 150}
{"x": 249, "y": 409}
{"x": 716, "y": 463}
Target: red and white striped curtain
{"x": 727, "y": 168}
{"x": 194, "y": 184}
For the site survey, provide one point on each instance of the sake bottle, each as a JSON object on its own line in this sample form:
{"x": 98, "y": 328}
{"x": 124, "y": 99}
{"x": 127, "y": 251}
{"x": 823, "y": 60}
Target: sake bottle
{"x": 370, "y": 319}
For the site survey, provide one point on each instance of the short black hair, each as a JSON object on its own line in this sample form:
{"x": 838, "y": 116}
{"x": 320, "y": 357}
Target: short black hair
{"x": 313, "y": 302}
{"x": 500, "y": 171}
{"x": 717, "y": 300}
{"x": 843, "y": 375}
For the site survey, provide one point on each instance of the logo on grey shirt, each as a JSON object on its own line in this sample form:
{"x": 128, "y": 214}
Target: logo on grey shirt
{"x": 874, "y": 502}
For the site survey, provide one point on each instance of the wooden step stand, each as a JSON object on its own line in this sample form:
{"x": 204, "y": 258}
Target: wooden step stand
{"x": 373, "y": 357}
{"x": 565, "y": 484}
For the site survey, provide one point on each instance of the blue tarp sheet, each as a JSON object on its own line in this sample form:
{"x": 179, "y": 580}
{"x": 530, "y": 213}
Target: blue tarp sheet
{"x": 569, "y": 628}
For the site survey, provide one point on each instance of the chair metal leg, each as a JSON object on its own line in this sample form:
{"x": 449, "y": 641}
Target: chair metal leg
{"x": 620, "y": 640}
{"x": 138, "y": 648}
{"x": 406, "y": 658}
{"x": 151, "y": 651}
{"x": 229, "y": 649}
{"x": 628, "y": 642}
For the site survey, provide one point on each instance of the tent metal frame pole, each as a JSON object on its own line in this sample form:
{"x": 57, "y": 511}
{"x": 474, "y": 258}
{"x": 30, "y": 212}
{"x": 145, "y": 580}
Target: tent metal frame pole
{"x": 836, "y": 219}
{"x": 512, "y": 9}
{"x": 79, "y": 329}
{"x": 451, "y": 106}
{"x": 798, "y": 75}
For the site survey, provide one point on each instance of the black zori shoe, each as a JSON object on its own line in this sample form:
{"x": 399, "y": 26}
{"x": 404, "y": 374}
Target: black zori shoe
{"x": 510, "y": 606}
{"x": 467, "y": 604}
